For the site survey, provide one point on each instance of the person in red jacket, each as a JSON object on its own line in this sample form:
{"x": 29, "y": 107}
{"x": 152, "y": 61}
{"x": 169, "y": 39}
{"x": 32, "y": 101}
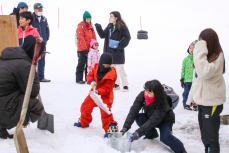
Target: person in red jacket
{"x": 84, "y": 34}
{"x": 104, "y": 76}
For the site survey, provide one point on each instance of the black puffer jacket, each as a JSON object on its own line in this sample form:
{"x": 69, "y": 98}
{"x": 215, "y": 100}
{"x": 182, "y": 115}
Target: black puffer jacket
{"x": 157, "y": 112}
{"x": 122, "y": 35}
{"x": 14, "y": 72}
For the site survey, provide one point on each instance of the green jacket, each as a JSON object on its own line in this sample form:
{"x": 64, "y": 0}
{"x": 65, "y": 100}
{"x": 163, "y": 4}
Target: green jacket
{"x": 187, "y": 69}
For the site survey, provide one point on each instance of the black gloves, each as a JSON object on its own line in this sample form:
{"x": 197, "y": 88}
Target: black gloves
{"x": 182, "y": 82}
{"x": 133, "y": 136}
{"x": 124, "y": 130}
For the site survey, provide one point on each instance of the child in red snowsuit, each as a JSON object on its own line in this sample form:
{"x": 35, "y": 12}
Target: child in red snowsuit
{"x": 104, "y": 76}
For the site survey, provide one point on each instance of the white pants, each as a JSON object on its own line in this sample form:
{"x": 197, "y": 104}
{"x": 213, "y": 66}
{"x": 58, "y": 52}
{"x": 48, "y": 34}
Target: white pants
{"x": 121, "y": 75}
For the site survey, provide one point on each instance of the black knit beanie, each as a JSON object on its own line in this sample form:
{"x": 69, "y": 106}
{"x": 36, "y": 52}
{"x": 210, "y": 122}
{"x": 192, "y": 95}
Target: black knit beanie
{"x": 105, "y": 58}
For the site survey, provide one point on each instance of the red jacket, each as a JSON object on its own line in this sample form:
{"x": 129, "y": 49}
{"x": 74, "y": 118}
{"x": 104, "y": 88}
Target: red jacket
{"x": 84, "y": 34}
{"x": 106, "y": 85}
{"x": 29, "y": 30}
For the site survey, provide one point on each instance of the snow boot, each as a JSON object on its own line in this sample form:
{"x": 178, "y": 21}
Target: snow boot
{"x": 116, "y": 87}
{"x": 4, "y": 134}
{"x": 78, "y": 124}
{"x": 113, "y": 128}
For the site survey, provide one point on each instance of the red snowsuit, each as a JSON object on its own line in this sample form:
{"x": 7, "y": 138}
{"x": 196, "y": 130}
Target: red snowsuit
{"x": 105, "y": 90}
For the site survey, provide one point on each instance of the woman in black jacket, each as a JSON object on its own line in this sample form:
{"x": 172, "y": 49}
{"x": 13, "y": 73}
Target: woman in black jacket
{"x": 157, "y": 113}
{"x": 117, "y": 37}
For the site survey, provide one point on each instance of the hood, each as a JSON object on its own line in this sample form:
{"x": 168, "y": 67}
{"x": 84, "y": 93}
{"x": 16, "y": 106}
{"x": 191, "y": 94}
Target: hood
{"x": 13, "y": 53}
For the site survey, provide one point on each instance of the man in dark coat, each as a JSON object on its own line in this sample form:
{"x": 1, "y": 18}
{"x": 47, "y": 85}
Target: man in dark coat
{"x": 156, "y": 114}
{"x": 40, "y": 22}
{"x": 15, "y": 66}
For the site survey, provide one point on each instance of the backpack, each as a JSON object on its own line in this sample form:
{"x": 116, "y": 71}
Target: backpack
{"x": 173, "y": 97}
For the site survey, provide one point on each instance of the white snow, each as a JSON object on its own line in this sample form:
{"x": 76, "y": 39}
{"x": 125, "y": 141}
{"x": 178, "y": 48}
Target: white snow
{"x": 172, "y": 25}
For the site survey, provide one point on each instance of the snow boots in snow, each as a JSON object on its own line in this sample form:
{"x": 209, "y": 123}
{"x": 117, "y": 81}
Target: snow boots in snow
{"x": 113, "y": 128}
{"x": 4, "y": 134}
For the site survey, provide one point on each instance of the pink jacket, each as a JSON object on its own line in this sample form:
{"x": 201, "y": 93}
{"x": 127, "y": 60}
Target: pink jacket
{"x": 93, "y": 58}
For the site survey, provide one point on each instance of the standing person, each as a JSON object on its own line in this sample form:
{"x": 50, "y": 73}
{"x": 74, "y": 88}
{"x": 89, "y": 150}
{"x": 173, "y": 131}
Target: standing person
{"x": 93, "y": 55}
{"x": 117, "y": 37}
{"x": 84, "y": 34}
{"x": 103, "y": 77}
{"x": 15, "y": 67}
{"x": 25, "y": 29}
{"x": 187, "y": 74}
{"x": 40, "y": 22}
{"x": 21, "y": 7}
{"x": 156, "y": 114}
{"x": 208, "y": 90}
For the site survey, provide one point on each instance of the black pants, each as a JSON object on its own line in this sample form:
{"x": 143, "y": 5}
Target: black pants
{"x": 81, "y": 66}
{"x": 209, "y": 122}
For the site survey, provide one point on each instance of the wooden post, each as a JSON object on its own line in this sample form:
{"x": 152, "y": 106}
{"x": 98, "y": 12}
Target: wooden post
{"x": 8, "y": 32}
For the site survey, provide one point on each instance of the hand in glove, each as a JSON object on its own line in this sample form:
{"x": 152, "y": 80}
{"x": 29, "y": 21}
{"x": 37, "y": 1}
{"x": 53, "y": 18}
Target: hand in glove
{"x": 182, "y": 82}
{"x": 97, "y": 25}
{"x": 134, "y": 136}
{"x": 93, "y": 85}
{"x": 124, "y": 130}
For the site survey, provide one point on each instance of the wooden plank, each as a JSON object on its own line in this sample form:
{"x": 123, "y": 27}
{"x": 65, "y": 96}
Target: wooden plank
{"x": 8, "y": 32}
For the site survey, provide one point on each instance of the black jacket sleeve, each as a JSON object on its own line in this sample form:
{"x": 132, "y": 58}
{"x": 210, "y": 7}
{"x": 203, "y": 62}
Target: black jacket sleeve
{"x": 102, "y": 33}
{"x": 154, "y": 120}
{"x": 125, "y": 39}
{"x": 134, "y": 110}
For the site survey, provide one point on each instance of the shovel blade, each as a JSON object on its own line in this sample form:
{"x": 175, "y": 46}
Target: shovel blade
{"x": 46, "y": 122}
{"x": 20, "y": 141}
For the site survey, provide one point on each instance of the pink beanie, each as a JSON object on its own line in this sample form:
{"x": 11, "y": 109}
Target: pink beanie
{"x": 93, "y": 41}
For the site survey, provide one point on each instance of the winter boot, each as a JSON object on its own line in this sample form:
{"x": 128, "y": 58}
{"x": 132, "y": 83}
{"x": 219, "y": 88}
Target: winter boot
{"x": 125, "y": 88}
{"x": 195, "y": 108}
{"x": 4, "y": 134}
{"x": 78, "y": 124}
{"x": 116, "y": 87}
{"x": 113, "y": 127}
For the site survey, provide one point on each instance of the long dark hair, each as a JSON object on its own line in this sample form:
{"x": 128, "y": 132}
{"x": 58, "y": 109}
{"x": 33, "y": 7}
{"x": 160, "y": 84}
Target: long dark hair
{"x": 213, "y": 45}
{"x": 119, "y": 22}
{"x": 156, "y": 87}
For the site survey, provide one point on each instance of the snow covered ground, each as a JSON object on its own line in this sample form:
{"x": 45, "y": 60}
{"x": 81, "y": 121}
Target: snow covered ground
{"x": 172, "y": 25}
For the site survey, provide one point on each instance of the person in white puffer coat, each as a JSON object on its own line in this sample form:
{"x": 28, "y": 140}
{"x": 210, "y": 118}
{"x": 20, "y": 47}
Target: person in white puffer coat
{"x": 208, "y": 90}
{"x": 93, "y": 55}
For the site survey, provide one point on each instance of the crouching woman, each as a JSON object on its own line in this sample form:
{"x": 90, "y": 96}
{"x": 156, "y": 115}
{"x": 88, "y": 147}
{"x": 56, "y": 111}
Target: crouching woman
{"x": 156, "y": 114}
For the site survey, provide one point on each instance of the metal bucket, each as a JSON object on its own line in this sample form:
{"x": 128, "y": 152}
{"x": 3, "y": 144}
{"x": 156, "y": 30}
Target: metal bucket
{"x": 120, "y": 143}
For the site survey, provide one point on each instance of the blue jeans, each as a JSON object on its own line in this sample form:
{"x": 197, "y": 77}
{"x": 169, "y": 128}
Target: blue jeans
{"x": 166, "y": 135}
{"x": 187, "y": 87}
